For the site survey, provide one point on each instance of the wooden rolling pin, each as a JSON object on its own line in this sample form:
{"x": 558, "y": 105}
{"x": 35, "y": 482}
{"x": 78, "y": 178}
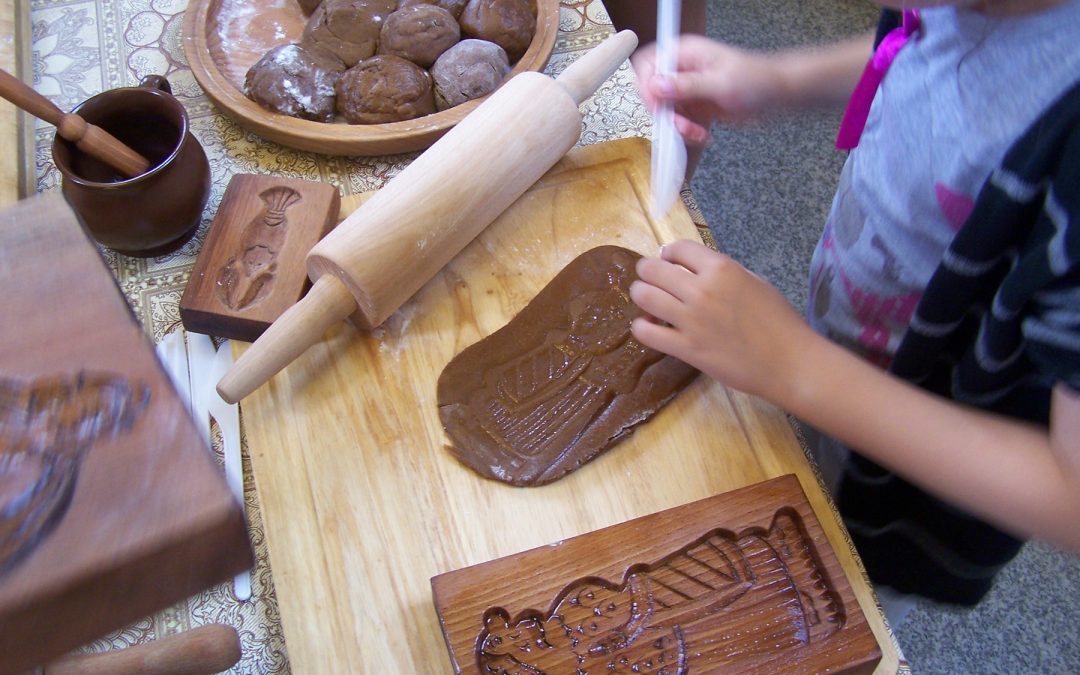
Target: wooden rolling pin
{"x": 92, "y": 140}
{"x": 386, "y": 250}
{"x": 212, "y": 648}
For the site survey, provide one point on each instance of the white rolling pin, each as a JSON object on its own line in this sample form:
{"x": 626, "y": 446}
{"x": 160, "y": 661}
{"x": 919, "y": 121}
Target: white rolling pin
{"x": 386, "y": 250}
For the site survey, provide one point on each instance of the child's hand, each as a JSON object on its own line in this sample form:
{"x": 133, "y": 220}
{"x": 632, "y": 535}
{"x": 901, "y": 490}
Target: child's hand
{"x": 718, "y": 317}
{"x": 714, "y": 82}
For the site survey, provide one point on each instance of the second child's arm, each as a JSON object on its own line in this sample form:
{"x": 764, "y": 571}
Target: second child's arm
{"x": 719, "y": 82}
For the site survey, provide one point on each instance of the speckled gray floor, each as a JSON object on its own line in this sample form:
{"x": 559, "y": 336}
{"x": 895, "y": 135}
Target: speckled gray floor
{"x": 765, "y": 191}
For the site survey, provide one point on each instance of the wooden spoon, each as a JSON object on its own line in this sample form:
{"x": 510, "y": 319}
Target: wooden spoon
{"x": 88, "y": 138}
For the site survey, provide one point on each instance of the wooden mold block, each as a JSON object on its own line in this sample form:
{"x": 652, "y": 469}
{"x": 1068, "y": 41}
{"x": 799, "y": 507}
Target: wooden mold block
{"x": 251, "y": 267}
{"x": 743, "y": 581}
{"x": 112, "y": 506}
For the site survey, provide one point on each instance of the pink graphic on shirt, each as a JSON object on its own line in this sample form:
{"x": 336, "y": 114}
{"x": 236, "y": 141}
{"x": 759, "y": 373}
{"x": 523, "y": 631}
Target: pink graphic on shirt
{"x": 873, "y": 312}
{"x": 955, "y": 206}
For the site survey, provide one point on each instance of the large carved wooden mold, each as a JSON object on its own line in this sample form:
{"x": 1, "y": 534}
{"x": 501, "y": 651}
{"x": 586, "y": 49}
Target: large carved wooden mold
{"x": 741, "y": 582}
{"x": 111, "y": 505}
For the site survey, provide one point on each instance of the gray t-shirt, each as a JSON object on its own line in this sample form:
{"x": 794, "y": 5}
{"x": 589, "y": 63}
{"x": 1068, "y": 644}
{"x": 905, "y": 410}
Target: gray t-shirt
{"x": 956, "y": 97}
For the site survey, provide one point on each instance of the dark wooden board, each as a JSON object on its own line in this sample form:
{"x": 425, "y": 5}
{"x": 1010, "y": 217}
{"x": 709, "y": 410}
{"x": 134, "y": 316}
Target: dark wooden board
{"x": 251, "y": 266}
{"x": 744, "y": 581}
{"x": 113, "y": 507}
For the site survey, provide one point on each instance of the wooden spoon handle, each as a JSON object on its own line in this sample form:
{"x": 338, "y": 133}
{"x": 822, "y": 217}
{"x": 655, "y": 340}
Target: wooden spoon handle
{"x": 207, "y": 649}
{"x": 88, "y": 138}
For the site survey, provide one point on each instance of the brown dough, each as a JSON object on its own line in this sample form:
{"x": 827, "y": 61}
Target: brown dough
{"x": 470, "y": 69}
{"x": 419, "y": 34}
{"x": 562, "y": 382}
{"x": 508, "y": 23}
{"x": 348, "y": 29}
{"x": 384, "y": 89}
{"x": 308, "y": 6}
{"x": 292, "y": 81}
{"x": 452, "y": 6}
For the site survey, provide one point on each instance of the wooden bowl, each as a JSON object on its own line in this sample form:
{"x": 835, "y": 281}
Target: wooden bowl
{"x": 223, "y": 38}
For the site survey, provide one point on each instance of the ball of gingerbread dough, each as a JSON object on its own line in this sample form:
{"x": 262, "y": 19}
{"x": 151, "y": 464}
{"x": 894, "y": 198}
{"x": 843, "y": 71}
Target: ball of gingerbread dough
{"x": 292, "y": 81}
{"x": 452, "y": 6}
{"x": 384, "y": 89}
{"x": 470, "y": 69}
{"x": 348, "y": 29}
{"x": 508, "y": 23}
{"x": 419, "y": 33}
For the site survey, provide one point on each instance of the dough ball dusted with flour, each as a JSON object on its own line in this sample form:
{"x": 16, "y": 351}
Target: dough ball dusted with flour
{"x": 348, "y": 29}
{"x": 384, "y": 89}
{"x": 470, "y": 69}
{"x": 419, "y": 34}
{"x": 452, "y": 6}
{"x": 293, "y": 81}
{"x": 508, "y": 23}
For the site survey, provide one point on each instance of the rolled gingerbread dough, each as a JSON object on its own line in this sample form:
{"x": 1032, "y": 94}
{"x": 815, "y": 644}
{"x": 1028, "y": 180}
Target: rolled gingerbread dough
{"x": 562, "y": 382}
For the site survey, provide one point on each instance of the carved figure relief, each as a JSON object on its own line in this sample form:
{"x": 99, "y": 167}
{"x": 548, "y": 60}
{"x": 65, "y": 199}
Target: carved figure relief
{"x": 562, "y": 382}
{"x": 249, "y": 276}
{"x": 724, "y": 603}
{"x": 46, "y": 427}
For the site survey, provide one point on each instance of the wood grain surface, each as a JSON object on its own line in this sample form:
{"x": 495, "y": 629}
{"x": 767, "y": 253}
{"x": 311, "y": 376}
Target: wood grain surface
{"x": 16, "y": 128}
{"x": 362, "y": 502}
{"x": 113, "y": 506}
{"x": 251, "y": 266}
{"x": 744, "y": 581}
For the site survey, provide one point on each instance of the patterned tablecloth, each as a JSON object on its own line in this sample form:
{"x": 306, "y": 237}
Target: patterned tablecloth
{"x": 82, "y": 47}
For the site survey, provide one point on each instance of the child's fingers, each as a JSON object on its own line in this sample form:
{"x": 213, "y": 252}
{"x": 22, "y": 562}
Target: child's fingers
{"x": 692, "y": 132}
{"x": 671, "y": 279}
{"x": 657, "y": 336}
{"x": 694, "y": 256}
{"x": 659, "y": 304}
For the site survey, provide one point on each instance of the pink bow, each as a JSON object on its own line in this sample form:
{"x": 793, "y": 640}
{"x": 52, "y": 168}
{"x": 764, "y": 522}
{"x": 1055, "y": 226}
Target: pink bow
{"x": 858, "y": 108}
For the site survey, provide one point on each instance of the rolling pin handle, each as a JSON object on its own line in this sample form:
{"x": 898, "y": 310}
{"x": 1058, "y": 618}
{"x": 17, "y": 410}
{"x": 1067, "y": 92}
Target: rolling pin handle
{"x": 211, "y": 648}
{"x": 583, "y": 77}
{"x": 302, "y": 325}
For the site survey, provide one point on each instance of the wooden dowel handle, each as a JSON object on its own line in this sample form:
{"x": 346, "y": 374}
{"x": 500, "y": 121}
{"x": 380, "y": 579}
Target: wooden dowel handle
{"x": 582, "y": 77}
{"x": 104, "y": 146}
{"x": 301, "y": 326}
{"x": 90, "y": 139}
{"x": 18, "y": 92}
{"x": 207, "y": 649}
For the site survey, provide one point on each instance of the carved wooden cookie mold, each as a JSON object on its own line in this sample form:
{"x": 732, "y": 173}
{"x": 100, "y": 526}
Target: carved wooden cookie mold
{"x": 47, "y": 425}
{"x": 757, "y": 590}
{"x": 251, "y": 266}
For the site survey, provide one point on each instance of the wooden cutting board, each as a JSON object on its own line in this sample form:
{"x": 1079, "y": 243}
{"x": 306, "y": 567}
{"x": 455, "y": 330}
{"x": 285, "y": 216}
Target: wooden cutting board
{"x": 362, "y": 502}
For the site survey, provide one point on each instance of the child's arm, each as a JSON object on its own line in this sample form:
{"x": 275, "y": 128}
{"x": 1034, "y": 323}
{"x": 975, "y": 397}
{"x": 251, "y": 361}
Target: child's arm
{"x": 718, "y": 82}
{"x": 740, "y": 330}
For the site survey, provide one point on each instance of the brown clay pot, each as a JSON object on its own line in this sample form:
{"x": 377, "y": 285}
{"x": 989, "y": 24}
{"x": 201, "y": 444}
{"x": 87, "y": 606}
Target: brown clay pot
{"x": 155, "y": 212}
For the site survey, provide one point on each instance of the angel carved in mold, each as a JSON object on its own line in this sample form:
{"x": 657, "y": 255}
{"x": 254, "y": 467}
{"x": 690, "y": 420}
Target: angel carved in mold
{"x": 723, "y": 603}
{"x": 47, "y": 425}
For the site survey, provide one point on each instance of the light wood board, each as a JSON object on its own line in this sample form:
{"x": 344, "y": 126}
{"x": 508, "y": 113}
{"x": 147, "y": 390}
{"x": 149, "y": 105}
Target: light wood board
{"x": 362, "y": 502}
{"x": 16, "y": 128}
